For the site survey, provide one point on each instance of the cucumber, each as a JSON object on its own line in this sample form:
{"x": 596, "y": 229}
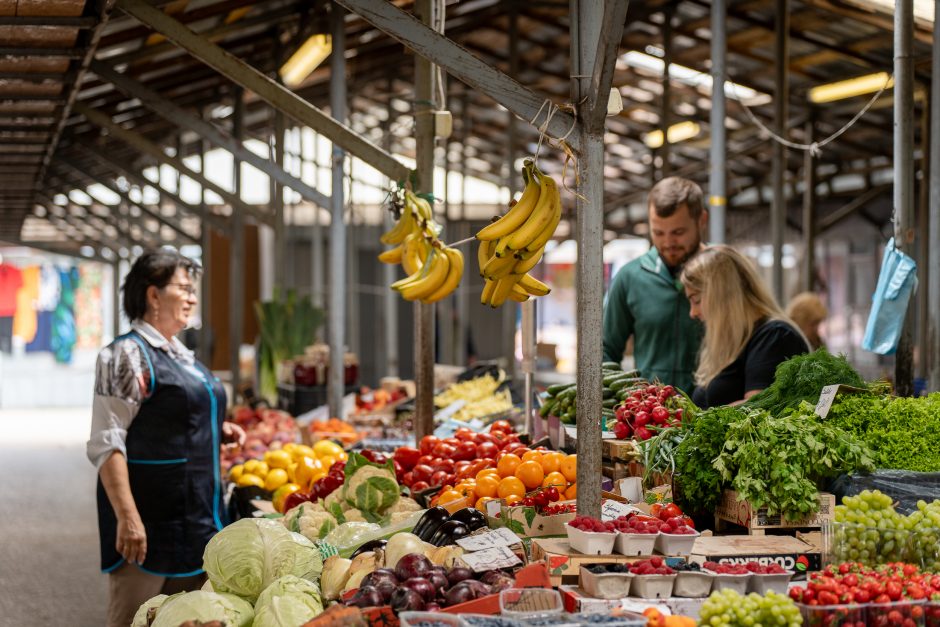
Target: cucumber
{"x": 608, "y": 414}
{"x": 546, "y": 409}
{"x": 610, "y": 403}
{"x": 611, "y": 365}
{"x": 568, "y": 392}
{"x": 622, "y": 394}
{"x": 607, "y": 393}
{"x": 626, "y": 382}
{"x": 610, "y": 378}
{"x": 554, "y": 390}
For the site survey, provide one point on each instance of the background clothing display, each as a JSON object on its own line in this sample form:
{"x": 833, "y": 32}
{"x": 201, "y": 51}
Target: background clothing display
{"x": 63, "y": 318}
{"x": 6, "y": 334}
{"x": 25, "y": 320}
{"x": 11, "y": 279}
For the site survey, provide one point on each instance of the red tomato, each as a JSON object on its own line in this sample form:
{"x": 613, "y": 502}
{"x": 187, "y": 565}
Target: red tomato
{"x": 487, "y": 449}
{"x": 438, "y": 477}
{"x": 480, "y": 438}
{"x": 443, "y": 449}
{"x": 418, "y": 486}
{"x": 407, "y": 456}
{"x": 501, "y": 425}
{"x": 671, "y": 511}
{"x": 426, "y": 459}
{"x": 461, "y": 465}
{"x": 464, "y": 434}
{"x": 465, "y": 451}
{"x": 422, "y": 472}
{"x": 447, "y": 465}
{"x": 427, "y": 444}
{"x": 408, "y": 479}
{"x": 452, "y": 441}
{"x": 399, "y": 471}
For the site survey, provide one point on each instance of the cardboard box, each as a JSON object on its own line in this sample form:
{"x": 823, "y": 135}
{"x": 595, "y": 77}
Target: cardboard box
{"x": 624, "y": 450}
{"x": 564, "y": 563}
{"x": 789, "y": 552}
{"x": 576, "y": 601}
{"x": 525, "y": 522}
{"x": 743, "y": 513}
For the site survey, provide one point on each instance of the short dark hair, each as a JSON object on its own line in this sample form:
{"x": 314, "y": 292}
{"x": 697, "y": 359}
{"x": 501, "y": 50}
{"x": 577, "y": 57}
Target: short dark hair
{"x": 674, "y": 191}
{"x": 155, "y": 267}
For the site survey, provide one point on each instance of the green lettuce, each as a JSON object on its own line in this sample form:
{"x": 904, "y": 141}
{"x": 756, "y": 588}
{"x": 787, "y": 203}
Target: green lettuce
{"x": 288, "y": 602}
{"x": 205, "y": 606}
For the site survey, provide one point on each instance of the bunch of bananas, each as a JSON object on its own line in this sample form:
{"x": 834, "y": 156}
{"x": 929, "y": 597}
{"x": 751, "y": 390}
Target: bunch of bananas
{"x": 514, "y": 243}
{"x": 434, "y": 269}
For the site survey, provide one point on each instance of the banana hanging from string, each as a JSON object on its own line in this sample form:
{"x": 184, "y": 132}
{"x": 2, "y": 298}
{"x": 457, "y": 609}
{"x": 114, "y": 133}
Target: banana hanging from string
{"x": 512, "y": 245}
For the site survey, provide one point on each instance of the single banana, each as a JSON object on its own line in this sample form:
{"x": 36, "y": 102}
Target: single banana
{"x": 392, "y": 256}
{"x": 541, "y": 216}
{"x": 498, "y": 267}
{"x": 417, "y": 275}
{"x": 502, "y": 246}
{"x": 414, "y": 253}
{"x": 503, "y": 289}
{"x": 484, "y": 252}
{"x": 488, "y": 288}
{"x": 533, "y": 286}
{"x": 424, "y": 287}
{"x": 543, "y": 237}
{"x": 518, "y": 294}
{"x": 524, "y": 265}
{"x": 454, "y": 274}
{"x": 518, "y": 213}
{"x": 405, "y": 225}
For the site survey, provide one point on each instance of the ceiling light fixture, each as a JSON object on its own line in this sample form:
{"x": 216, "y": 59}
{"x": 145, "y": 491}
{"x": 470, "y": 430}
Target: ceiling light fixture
{"x": 850, "y": 88}
{"x": 677, "y": 133}
{"x": 311, "y": 54}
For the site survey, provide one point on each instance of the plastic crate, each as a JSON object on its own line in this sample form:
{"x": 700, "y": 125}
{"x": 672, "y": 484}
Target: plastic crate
{"x": 522, "y": 603}
{"x": 489, "y": 620}
{"x": 932, "y": 614}
{"x": 897, "y": 613}
{"x": 832, "y": 615}
{"x": 429, "y": 619}
{"x": 623, "y": 619}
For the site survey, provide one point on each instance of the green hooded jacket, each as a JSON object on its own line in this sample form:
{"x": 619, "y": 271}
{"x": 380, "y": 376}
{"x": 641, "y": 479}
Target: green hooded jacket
{"x": 647, "y": 302}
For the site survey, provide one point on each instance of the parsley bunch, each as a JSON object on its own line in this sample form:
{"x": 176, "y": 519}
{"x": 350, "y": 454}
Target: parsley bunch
{"x": 699, "y": 482}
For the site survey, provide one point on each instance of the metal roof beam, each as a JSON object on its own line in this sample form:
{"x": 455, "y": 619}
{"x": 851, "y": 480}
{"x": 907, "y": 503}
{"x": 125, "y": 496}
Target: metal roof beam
{"x": 265, "y": 88}
{"x": 49, "y": 20}
{"x": 207, "y": 131}
{"x": 82, "y": 181}
{"x": 69, "y": 219}
{"x": 122, "y": 232}
{"x": 49, "y": 247}
{"x": 459, "y": 63}
{"x": 117, "y": 168}
{"x": 605, "y": 59}
{"x": 144, "y": 145}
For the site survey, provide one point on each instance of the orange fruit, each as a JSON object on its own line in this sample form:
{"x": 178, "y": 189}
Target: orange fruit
{"x": 532, "y": 456}
{"x": 487, "y": 486}
{"x": 506, "y": 467}
{"x": 551, "y": 462}
{"x": 572, "y": 492}
{"x": 531, "y": 474}
{"x": 481, "y": 503}
{"x": 488, "y": 471}
{"x": 555, "y": 479}
{"x": 510, "y": 486}
{"x": 569, "y": 468}
{"x": 512, "y": 499}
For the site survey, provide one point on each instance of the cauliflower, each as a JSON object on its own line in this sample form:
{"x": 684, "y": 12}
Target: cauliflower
{"x": 291, "y": 518}
{"x": 354, "y": 515}
{"x": 405, "y": 504}
{"x": 371, "y": 488}
{"x": 315, "y": 524}
{"x": 398, "y": 517}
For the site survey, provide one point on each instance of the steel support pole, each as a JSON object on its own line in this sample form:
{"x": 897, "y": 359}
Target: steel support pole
{"x": 778, "y": 208}
{"x": 665, "y": 114}
{"x": 463, "y": 290}
{"x": 923, "y": 244}
{"x": 316, "y": 245}
{"x": 337, "y": 303}
{"x": 809, "y": 212}
{"x": 510, "y": 309}
{"x": 933, "y": 260}
{"x": 390, "y": 298}
{"x": 277, "y": 204}
{"x": 205, "y": 287}
{"x": 236, "y": 257}
{"x": 586, "y": 27}
{"x": 905, "y": 233}
{"x": 717, "y": 150}
{"x": 427, "y": 11}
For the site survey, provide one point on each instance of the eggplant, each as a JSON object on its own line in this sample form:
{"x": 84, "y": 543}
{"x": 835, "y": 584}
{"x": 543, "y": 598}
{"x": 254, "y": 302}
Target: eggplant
{"x": 449, "y": 532}
{"x": 371, "y": 545}
{"x": 429, "y": 522}
{"x": 470, "y": 516}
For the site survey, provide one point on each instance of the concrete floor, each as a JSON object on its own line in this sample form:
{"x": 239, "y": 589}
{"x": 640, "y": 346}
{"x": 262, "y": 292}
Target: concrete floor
{"x": 49, "y": 572}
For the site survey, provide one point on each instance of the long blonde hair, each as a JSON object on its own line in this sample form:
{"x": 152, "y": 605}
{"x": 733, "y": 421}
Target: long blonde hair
{"x": 734, "y": 300}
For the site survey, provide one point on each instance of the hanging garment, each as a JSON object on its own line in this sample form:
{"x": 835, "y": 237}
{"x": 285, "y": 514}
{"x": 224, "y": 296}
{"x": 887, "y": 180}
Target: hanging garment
{"x": 11, "y": 280}
{"x": 49, "y": 288}
{"x": 896, "y": 283}
{"x": 24, "y": 322}
{"x": 6, "y": 334}
{"x": 63, "y": 319}
{"x": 42, "y": 343}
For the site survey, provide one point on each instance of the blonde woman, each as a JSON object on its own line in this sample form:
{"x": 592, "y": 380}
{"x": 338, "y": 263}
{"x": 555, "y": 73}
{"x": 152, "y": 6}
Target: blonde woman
{"x": 746, "y": 333}
{"x": 808, "y": 312}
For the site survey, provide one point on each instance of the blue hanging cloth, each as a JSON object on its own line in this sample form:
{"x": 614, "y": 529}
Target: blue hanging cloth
{"x": 896, "y": 283}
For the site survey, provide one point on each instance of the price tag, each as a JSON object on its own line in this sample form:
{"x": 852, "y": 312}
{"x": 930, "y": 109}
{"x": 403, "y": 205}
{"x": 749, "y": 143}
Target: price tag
{"x": 489, "y": 540}
{"x": 826, "y": 398}
{"x": 490, "y": 559}
{"x": 611, "y": 510}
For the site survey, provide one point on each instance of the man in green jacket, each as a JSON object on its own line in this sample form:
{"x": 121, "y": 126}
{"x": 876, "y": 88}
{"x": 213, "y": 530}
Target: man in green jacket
{"x": 646, "y": 300}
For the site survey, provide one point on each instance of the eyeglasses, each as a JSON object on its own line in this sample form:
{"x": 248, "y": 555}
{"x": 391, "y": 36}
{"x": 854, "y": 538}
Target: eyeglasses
{"x": 189, "y": 288}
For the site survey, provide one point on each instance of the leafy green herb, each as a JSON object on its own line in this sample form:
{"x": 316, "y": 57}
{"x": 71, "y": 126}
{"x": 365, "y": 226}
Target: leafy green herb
{"x": 802, "y": 378}
{"x": 903, "y": 433}
{"x": 698, "y": 480}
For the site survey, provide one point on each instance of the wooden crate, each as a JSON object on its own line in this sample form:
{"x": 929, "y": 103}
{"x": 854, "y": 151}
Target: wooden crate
{"x": 622, "y": 450}
{"x": 731, "y": 511}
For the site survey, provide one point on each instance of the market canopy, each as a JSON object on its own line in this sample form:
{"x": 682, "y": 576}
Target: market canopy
{"x": 88, "y": 94}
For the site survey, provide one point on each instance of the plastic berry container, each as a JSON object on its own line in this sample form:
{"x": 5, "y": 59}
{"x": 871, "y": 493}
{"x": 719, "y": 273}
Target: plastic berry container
{"x": 524, "y": 603}
{"x": 900, "y": 613}
{"x": 653, "y": 586}
{"x": 723, "y": 581}
{"x": 591, "y": 542}
{"x": 832, "y": 615}
{"x": 606, "y": 585}
{"x": 692, "y": 584}
{"x": 430, "y": 619}
{"x": 764, "y": 583}
{"x": 635, "y": 544}
{"x": 675, "y": 543}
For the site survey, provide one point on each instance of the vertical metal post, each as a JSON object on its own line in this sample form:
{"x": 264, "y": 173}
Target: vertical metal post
{"x": 277, "y": 202}
{"x": 809, "y": 212}
{"x": 932, "y": 264}
{"x": 463, "y": 291}
{"x": 905, "y": 235}
{"x": 427, "y": 11}
{"x": 337, "y": 315}
{"x": 205, "y": 247}
{"x": 390, "y": 300}
{"x": 778, "y": 208}
{"x": 665, "y": 117}
{"x": 717, "y": 151}
{"x": 316, "y": 239}
{"x": 510, "y": 309}
{"x": 586, "y": 16}
{"x": 923, "y": 244}
{"x": 236, "y": 256}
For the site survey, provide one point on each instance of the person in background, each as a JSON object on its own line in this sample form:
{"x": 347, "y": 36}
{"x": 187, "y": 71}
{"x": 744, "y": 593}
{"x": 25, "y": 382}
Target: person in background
{"x": 646, "y": 301}
{"x": 746, "y": 333}
{"x": 156, "y": 432}
{"x": 807, "y": 310}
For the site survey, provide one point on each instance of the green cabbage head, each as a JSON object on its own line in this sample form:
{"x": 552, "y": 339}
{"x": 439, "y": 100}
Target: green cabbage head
{"x": 205, "y": 606}
{"x": 288, "y": 602}
{"x": 154, "y": 603}
{"x": 247, "y": 556}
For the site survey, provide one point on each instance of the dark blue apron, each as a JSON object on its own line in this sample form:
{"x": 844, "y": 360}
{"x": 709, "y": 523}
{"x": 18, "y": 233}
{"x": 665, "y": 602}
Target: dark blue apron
{"x": 173, "y": 466}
